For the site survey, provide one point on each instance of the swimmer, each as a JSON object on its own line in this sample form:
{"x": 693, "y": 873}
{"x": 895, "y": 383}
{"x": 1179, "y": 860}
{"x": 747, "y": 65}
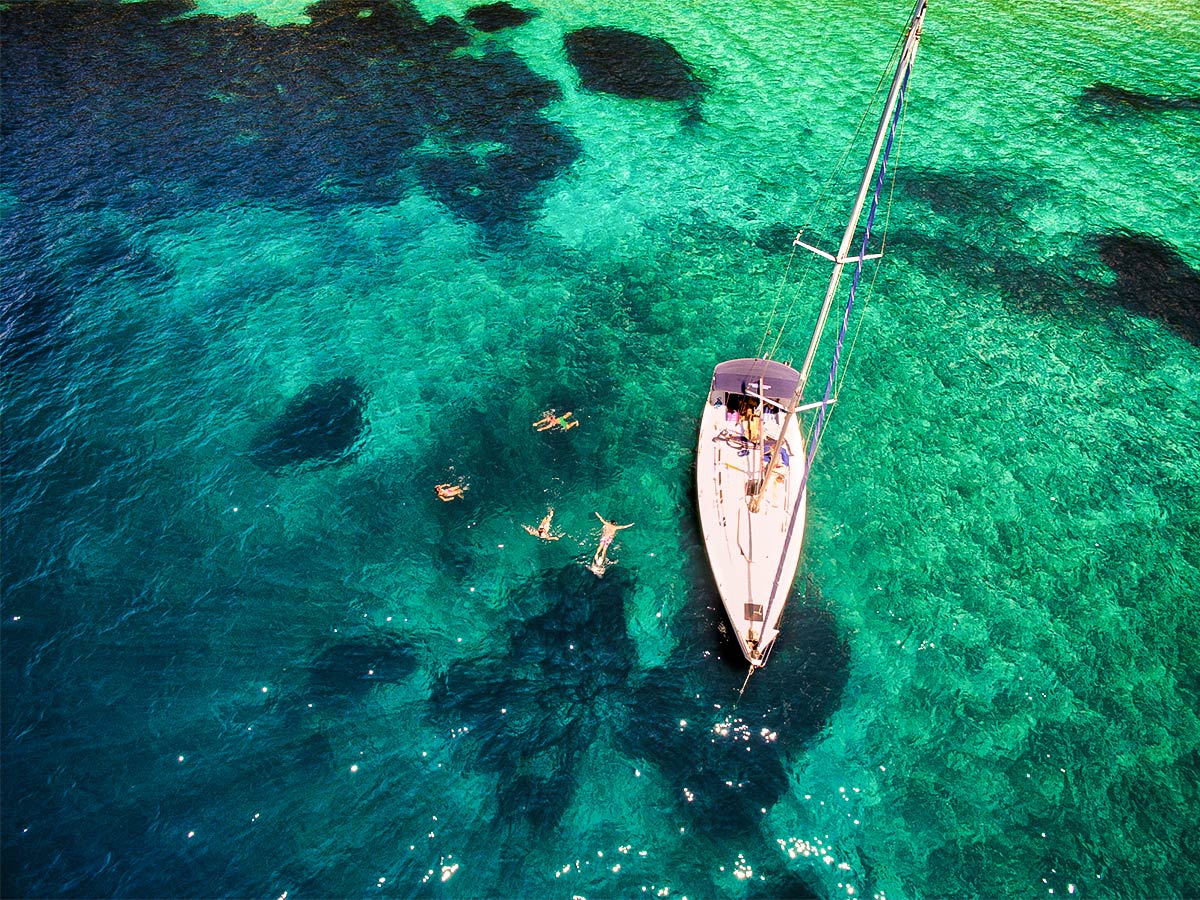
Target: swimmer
{"x": 448, "y": 492}
{"x": 600, "y": 560}
{"x": 543, "y": 529}
{"x": 549, "y": 420}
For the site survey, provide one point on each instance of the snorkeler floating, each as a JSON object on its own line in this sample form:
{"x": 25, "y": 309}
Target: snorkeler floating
{"x": 543, "y": 529}
{"x": 550, "y": 419}
{"x": 600, "y": 560}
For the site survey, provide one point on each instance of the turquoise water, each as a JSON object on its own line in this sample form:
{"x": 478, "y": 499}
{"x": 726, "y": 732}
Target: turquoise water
{"x": 226, "y": 678}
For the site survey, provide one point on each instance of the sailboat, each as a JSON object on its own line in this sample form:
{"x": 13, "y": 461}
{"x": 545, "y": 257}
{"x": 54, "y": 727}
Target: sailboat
{"x": 752, "y": 467}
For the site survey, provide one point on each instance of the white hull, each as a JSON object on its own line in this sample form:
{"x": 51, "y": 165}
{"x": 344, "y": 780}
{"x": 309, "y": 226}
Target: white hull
{"x": 752, "y": 558}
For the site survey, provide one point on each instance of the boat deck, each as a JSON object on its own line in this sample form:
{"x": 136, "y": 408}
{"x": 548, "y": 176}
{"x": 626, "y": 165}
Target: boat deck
{"x": 749, "y": 550}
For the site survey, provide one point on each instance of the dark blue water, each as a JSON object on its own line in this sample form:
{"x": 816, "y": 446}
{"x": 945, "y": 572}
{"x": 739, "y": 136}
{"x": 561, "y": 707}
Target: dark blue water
{"x": 268, "y": 279}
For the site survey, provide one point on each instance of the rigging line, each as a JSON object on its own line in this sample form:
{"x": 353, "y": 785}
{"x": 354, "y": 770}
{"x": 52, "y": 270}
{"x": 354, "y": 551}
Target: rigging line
{"x": 887, "y": 218}
{"x": 870, "y": 292}
{"x": 883, "y": 236}
{"x": 827, "y": 186}
{"x": 816, "y": 434}
{"x": 815, "y": 208}
{"x": 818, "y": 428}
{"x": 799, "y": 291}
{"x": 775, "y": 306}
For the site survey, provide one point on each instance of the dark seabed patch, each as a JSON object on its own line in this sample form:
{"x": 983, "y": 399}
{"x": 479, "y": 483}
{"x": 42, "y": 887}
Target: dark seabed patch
{"x": 34, "y": 296}
{"x": 45, "y": 270}
{"x": 953, "y": 193}
{"x": 1153, "y": 280}
{"x": 995, "y": 206}
{"x": 785, "y": 886}
{"x": 533, "y": 713}
{"x": 630, "y": 65}
{"x": 569, "y": 679}
{"x": 138, "y": 107}
{"x": 775, "y": 237}
{"x": 1111, "y": 97}
{"x": 352, "y": 665}
{"x": 498, "y": 16}
{"x": 726, "y": 773}
{"x": 323, "y": 425}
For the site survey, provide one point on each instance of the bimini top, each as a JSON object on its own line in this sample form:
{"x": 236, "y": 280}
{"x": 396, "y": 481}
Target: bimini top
{"x": 741, "y": 376}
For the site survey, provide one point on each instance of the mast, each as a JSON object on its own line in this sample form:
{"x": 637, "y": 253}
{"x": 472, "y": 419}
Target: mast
{"x": 904, "y": 65}
{"x": 902, "y": 68}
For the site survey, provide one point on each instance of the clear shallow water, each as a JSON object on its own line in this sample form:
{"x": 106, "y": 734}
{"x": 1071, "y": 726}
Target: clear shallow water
{"x": 223, "y": 680}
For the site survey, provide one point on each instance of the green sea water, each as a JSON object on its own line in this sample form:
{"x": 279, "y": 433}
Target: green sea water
{"x": 1004, "y": 516}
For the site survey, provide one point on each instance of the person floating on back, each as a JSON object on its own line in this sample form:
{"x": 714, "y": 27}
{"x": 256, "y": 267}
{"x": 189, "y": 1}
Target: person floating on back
{"x": 543, "y": 529}
{"x": 448, "y": 492}
{"x": 600, "y": 560}
{"x": 550, "y": 419}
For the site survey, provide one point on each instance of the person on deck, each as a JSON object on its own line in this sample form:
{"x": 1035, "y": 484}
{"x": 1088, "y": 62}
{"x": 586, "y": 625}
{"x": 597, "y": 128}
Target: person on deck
{"x": 753, "y": 426}
{"x": 600, "y": 560}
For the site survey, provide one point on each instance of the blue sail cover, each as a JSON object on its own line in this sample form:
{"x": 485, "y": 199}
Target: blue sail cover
{"x": 741, "y": 376}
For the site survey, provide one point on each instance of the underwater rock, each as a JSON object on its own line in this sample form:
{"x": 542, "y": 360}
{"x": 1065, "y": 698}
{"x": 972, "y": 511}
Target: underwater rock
{"x": 539, "y": 801}
{"x": 782, "y": 886}
{"x": 205, "y": 110}
{"x": 798, "y": 691}
{"x": 804, "y": 687}
{"x": 980, "y": 234}
{"x": 1103, "y": 94}
{"x": 35, "y": 298}
{"x": 497, "y": 16}
{"x": 582, "y": 637}
{"x": 323, "y": 425}
{"x": 504, "y": 149}
{"x": 352, "y": 666}
{"x": 775, "y": 238}
{"x": 42, "y": 273}
{"x": 500, "y": 148}
{"x": 1153, "y": 280}
{"x": 569, "y": 678}
{"x": 311, "y": 754}
{"x": 563, "y": 680}
{"x": 723, "y": 775}
{"x": 726, "y": 764}
{"x": 630, "y": 65}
